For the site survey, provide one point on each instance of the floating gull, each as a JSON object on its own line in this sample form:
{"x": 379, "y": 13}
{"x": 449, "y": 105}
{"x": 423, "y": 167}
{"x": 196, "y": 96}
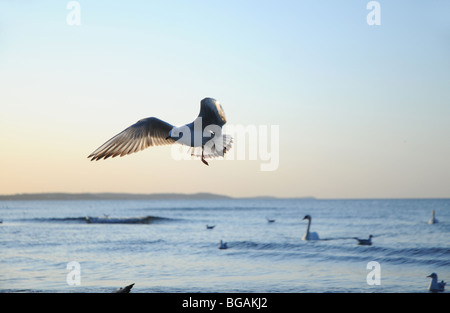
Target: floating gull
{"x": 204, "y": 133}
{"x": 309, "y": 235}
{"x": 223, "y": 245}
{"x": 364, "y": 242}
{"x": 433, "y": 220}
{"x": 210, "y": 226}
{"x": 126, "y": 289}
{"x": 269, "y": 220}
{"x": 434, "y": 284}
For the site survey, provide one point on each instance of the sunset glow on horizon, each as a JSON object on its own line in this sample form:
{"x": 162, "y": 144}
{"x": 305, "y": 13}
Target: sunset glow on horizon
{"x": 332, "y": 107}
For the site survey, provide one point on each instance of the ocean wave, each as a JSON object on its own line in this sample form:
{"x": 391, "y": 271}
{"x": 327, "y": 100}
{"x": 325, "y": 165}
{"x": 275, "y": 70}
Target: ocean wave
{"x": 102, "y": 219}
{"x": 435, "y": 256}
{"x": 57, "y": 219}
{"x": 439, "y": 256}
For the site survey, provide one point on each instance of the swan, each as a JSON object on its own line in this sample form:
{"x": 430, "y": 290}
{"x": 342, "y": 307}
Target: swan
{"x": 364, "y": 242}
{"x": 433, "y": 220}
{"x": 434, "y": 284}
{"x": 223, "y": 245}
{"x": 309, "y": 235}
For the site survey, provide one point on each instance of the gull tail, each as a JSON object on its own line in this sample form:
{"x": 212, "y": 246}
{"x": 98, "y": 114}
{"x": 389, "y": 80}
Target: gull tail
{"x": 213, "y": 148}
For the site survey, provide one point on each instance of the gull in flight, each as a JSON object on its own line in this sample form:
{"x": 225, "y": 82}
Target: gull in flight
{"x": 204, "y": 133}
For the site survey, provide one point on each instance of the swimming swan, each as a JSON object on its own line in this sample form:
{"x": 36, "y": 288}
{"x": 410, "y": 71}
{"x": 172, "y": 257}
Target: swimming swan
{"x": 434, "y": 284}
{"x": 433, "y": 220}
{"x": 364, "y": 242}
{"x": 308, "y": 235}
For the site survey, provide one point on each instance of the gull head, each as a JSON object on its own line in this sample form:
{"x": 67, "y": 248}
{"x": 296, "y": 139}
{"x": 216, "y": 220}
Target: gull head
{"x": 433, "y": 275}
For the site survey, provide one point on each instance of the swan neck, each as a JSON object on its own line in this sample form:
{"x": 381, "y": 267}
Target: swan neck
{"x": 308, "y": 226}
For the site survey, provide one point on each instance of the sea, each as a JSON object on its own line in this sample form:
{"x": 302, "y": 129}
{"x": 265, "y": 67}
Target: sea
{"x": 164, "y": 246}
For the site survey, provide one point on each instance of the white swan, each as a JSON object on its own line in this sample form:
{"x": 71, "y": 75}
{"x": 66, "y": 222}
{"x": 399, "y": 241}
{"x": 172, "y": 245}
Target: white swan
{"x": 434, "y": 284}
{"x": 364, "y": 242}
{"x": 433, "y": 220}
{"x": 223, "y": 245}
{"x": 309, "y": 235}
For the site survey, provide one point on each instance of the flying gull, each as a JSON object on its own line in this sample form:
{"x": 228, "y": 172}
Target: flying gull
{"x": 204, "y": 133}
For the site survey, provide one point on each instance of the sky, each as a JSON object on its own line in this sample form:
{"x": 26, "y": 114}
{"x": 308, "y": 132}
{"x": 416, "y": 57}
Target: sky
{"x": 320, "y": 102}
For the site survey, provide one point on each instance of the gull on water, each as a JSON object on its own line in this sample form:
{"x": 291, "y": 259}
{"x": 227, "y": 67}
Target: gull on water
{"x": 434, "y": 284}
{"x": 223, "y": 245}
{"x": 204, "y": 133}
{"x": 364, "y": 242}
{"x": 126, "y": 289}
{"x": 309, "y": 235}
{"x": 433, "y": 219}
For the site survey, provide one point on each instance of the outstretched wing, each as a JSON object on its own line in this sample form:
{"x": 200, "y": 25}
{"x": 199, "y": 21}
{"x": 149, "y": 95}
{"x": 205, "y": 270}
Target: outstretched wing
{"x": 212, "y": 113}
{"x": 145, "y": 133}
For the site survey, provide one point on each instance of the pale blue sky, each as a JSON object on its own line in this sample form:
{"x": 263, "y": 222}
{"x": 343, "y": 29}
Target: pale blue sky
{"x": 363, "y": 111}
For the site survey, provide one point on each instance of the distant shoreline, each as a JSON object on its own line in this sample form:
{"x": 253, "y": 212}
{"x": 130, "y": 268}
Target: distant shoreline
{"x": 128, "y": 196}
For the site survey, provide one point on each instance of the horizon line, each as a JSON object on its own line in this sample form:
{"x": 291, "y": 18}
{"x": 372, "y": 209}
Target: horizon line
{"x": 176, "y": 195}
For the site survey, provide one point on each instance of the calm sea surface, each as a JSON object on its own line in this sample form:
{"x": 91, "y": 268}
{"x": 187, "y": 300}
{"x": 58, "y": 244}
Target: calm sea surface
{"x": 174, "y": 252}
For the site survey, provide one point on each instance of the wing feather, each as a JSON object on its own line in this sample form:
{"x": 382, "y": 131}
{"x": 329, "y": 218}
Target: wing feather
{"x": 145, "y": 133}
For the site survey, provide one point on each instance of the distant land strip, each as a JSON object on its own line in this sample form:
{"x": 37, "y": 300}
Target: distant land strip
{"x": 126, "y": 196}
